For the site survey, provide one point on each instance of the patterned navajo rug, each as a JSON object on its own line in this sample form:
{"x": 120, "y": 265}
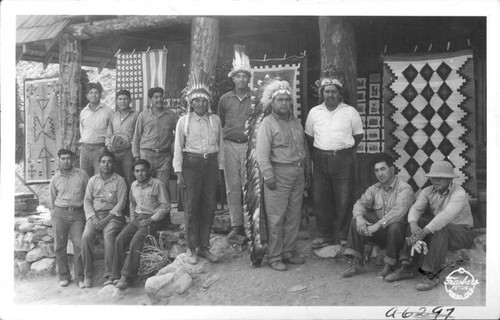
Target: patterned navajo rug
{"x": 430, "y": 115}
{"x": 291, "y": 69}
{"x": 140, "y": 71}
{"x": 42, "y": 127}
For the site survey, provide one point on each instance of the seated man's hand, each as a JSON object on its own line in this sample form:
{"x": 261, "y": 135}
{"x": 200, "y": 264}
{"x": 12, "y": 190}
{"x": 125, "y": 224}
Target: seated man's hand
{"x": 362, "y": 225}
{"x": 95, "y": 220}
{"x": 271, "y": 183}
{"x": 180, "y": 180}
{"x": 373, "y": 228}
{"x": 416, "y": 231}
{"x": 145, "y": 222}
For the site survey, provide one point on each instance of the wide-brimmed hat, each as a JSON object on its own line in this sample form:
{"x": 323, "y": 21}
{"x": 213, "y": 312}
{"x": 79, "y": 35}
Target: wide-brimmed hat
{"x": 441, "y": 169}
{"x": 119, "y": 142}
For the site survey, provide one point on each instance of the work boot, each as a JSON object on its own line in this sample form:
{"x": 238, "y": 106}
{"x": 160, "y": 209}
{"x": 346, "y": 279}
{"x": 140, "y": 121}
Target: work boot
{"x": 354, "y": 268}
{"x": 123, "y": 283}
{"x": 427, "y": 284}
{"x": 388, "y": 269}
{"x": 278, "y": 266}
{"x": 296, "y": 259}
{"x": 192, "y": 257}
{"x": 405, "y": 272}
{"x": 86, "y": 283}
{"x": 204, "y": 253}
{"x": 235, "y": 231}
{"x": 64, "y": 283}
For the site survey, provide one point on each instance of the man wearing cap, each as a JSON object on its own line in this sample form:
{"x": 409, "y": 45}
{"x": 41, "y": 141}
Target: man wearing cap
{"x": 198, "y": 163}
{"x": 120, "y": 135}
{"x": 154, "y": 137}
{"x": 430, "y": 236}
{"x": 235, "y": 107}
{"x": 67, "y": 189}
{"x": 103, "y": 204}
{"x": 379, "y": 217}
{"x": 94, "y": 121}
{"x": 149, "y": 205}
{"x": 283, "y": 159}
{"x": 333, "y": 130}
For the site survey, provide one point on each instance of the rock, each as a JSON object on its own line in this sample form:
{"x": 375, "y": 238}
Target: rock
{"x": 222, "y": 223}
{"x": 298, "y": 287}
{"x": 219, "y": 246}
{"x": 180, "y": 265}
{"x": 44, "y": 265}
{"x": 26, "y": 227}
{"x": 48, "y": 238}
{"x": 17, "y": 223}
{"x": 176, "y": 250}
{"x": 24, "y": 267}
{"x": 182, "y": 282}
{"x": 329, "y": 251}
{"x": 155, "y": 283}
{"x": 210, "y": 281}
{"x": 23, "y": 241}
{"x": 47, "y": 249}
{"x": 39, "y": 232}
{"x": 108, "y": 291}
{"x": 35, "y": 255}
{"x": 47, "y": 222}
{"x": 20, "y": 255}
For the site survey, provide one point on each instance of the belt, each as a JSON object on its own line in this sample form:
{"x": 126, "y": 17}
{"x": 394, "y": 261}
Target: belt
{"x": 70, "y": 208}
{"x": 157, "y": 150}
{"x": 238, "y": 140}
{"x": 297, "y": 163}
{"x": 201, "y": 155}
{"x": 335, "y": 153}
{"x": 102, "y": 211}
{"x": 93, "y": 144}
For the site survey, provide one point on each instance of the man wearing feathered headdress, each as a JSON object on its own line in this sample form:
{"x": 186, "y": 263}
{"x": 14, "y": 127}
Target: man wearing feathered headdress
{"x": 198, "y": 160}
{"x": 334, "y": 129}
{"x": 283, "y": 159}
{"x": 235, "y": 107}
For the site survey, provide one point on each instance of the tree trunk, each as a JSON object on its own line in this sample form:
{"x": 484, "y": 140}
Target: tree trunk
{"x": 338, "y": 46}
{"x": 70, "y": 90}
{"x": 125, "y": 24}
{"x": 204, "y": 44}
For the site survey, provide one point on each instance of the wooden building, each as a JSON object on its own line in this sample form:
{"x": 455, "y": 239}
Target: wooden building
{"x": 356, "y": 44}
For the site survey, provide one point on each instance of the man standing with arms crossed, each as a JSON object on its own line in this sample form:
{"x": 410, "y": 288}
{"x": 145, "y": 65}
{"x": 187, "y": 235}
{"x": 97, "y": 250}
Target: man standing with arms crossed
{"x": 67, "y": 189}
{"x": 154, "y": 137}
{"x": 94, "y": 120}
{"x": 235, "y": 107}
{"x": 334, "y": 129}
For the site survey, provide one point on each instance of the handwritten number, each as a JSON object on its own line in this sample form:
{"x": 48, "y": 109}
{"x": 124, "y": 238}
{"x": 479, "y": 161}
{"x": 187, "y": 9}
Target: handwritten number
{"x": 406, "y": 314}
{"x": 450, "y": 311}
{"x": 437, "y": 310}
{"x": 391, "y": 313}
{"x": 422, "y": 309}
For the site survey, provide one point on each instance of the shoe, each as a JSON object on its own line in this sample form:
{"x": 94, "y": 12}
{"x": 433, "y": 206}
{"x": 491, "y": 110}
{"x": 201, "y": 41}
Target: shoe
{"x": 108, "y": 282}
{"x": 321, "y": 242}
{"x": 204, "y": 253}
{"x": 192, "y": 257}
{"x": 388, "y": 269}
{"x": 294, "y": 260}
{"x": 354, "y": 268}
{"x": 278, "y": 266}
{"x": 427, "y": 284}
{"x": 123, "y": 283}
{"x": 86, "y": 283}
{"x": 405, "y": 272}
{"x": 64, "y": 283}
{"x": 116, "y": 281}
{"x": 235, "y": 231}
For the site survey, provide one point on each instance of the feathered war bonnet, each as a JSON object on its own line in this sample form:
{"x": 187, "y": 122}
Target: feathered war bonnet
{"x": 198, "y": 86}
{"x": 241, "y": 63}
{"x": 271, "y": 88}
{"x": 330, "y": 75}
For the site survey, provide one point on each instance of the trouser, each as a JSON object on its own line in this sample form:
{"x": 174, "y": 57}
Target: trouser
{"x": 284, "y": 210}
{"x": 110, "y": 231}
{"x": 200, "y": 177}
{"x": 333, "y": 187}
{"x": 234, "y": 176}
{"x": 123, "y": 167}
{"x": 66, "y": 222}
{"x": 161, "y": 167}
{"x": 450, "y": 237}
{"x": 89, "y": 157}
{"x": 131, "y": 238}
{"x": 392, "y": 238}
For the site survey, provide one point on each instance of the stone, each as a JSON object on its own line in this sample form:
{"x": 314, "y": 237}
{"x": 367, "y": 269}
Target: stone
{"x": 210, "y": 281}
{"x": 47, "y": 222}
{"x": 44, "y": 265}
{"x": 176, "y": 250}
{"x": 47, "y": 249}
{"x": 26, "y": 227}
{"x": 108, "y": 291}
{"x": 222, "y": 223}
{"x": 220, "y": 247}
{"x": 24, "y": 267}
{"x": 180, "y": 265}
{"x": 155, "y": 283}
{"x": 329, "y": 251}
{"x": 298, "y": 287}
{"x": 182, "y": 282}
{"x": 35, "y": 255}
{"x": 20, "y": 244}
{"x": 48, "y": 238}
{"x": 39, "y": 232}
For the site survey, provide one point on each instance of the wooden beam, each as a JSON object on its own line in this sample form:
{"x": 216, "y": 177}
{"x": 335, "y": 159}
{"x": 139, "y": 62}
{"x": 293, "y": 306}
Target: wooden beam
{"x": 124, "y": 24}
{"x": 50, "y": 43}
{"x": 102, "y": 65}
{"x": 204, "y": 44}
{"x": 48, "y": 59}
{"x": 21, "y": 53}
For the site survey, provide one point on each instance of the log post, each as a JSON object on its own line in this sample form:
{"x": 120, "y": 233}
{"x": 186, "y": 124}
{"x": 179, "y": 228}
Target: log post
{"x": 338, "y": 46}
{"x": 204, "y": 44}
{"x": 70, "y": 90}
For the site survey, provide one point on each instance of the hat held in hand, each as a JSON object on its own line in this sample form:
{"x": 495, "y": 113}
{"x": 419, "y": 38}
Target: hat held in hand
{"x": 118, "y": 142}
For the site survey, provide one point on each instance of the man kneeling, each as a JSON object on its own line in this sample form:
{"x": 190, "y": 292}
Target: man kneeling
{"x": 447, "y": 227}
{"x": 149, "y": 205}
{"x": 379, "y": 217}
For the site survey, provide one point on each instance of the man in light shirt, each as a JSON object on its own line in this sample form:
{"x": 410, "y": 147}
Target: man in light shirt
{"x": 198, "y": 163}
{"x": 149, "y": 205}
{"x": 94, "y": 121}
{"x": 67, "y": 189}
{"x": 333, "y": 130}
{"x": 103, "y": 203}
{"x": 430, "y": 236}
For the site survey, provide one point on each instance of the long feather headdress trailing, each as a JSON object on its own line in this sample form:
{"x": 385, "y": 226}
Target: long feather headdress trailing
{"x": 241, "y": 62}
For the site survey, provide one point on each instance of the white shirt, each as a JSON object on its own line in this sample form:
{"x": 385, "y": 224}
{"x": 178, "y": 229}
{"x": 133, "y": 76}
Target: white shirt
{"x": 333, "y": 130}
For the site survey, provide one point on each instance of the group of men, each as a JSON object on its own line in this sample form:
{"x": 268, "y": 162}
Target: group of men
{"x": 201, "y": 145}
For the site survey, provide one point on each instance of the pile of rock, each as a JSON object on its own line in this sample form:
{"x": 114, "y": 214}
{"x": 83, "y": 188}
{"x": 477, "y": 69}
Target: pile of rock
{"x": 25, "y": 204}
